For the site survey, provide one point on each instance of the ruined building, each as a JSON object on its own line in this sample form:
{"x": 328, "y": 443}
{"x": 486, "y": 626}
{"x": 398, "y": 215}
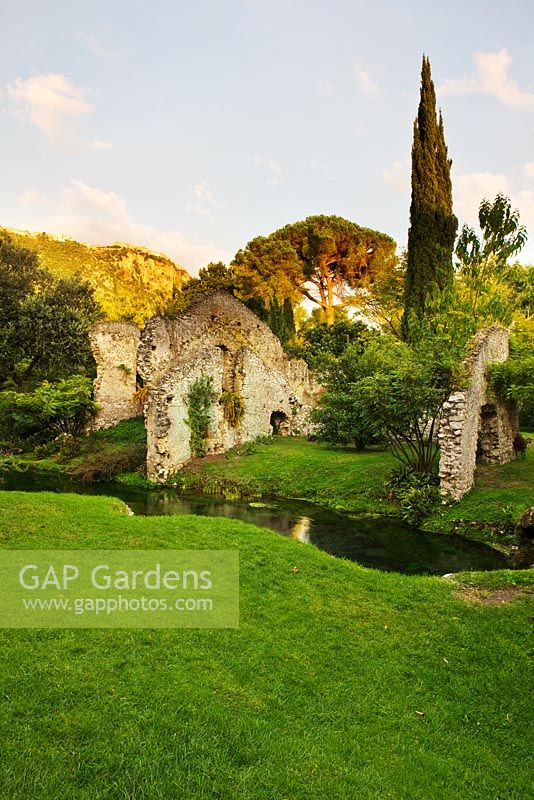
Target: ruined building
{"x": 217, "y": 337}
{"x": 474, "y": 423}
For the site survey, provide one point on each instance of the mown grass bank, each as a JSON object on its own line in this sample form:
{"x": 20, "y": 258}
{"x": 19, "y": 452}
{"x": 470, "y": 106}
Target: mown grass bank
{"x": 338, "y": 478}
{"x": 353, "y": 481}
{"x": 315, "y": 695}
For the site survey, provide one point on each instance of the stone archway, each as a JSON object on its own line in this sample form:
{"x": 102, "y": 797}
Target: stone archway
{"x": 280, "y": 424}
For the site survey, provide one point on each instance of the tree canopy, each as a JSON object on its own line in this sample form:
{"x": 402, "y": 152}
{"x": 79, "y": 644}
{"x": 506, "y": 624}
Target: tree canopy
{"x": 44, "y": 321}
{"x": 322, "y": 258}
{"x": 432, "y": 223}
{"x": 490, "y": 285}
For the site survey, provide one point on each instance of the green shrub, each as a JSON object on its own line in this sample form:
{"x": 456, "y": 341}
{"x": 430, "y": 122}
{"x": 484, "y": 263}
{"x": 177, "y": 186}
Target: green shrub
{"x": 199, "y": 401}
{"x": 417, "y": 503}
{"x": 415, "y": 493}
{"x": 107, "y": 466}
{"x": 65, "y": 407}
{"x": 233, "y": 408}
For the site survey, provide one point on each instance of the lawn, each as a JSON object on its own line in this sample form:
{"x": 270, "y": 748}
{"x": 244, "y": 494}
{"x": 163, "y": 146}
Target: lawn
{"x": 353, "y": 481}
{"x": 314, "y": 696}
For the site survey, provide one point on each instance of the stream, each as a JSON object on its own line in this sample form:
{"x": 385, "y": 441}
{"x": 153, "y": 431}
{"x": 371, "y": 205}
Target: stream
{"x": 384, "y": 543}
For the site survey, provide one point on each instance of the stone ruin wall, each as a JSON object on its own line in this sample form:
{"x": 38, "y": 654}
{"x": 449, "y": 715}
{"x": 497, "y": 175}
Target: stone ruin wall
{"x": 473, "y": 422}
{"x": 114, "y": 346}
{"x": 223, "y": 339}
{"x": 218, "y": 337}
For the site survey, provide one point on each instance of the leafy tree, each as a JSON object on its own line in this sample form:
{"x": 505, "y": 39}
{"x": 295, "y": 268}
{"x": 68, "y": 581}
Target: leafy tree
{"x": 322, "y": 258}
{"x": 339, "y": 414}
{"x": 486, "y": 278}
{"x": 432, "y": 222}
{"x": 44, "y": 321}
{"x": 384, "y": 304}
{"x": 214, "y": 277}
{"x": 388, "y": 391}
{"x": 331, "y": 340}
{"x": 522, "y": 282}
{"x": 51, "y": 409}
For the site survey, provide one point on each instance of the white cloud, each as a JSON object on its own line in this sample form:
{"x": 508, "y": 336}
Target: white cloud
{"x": 51, "y": 102}
{"x": 204, "y": 202}
{"x": 100, "y": 144}
{"x": 470, "y": 188}
{"x": 96, "y": 45}
{"x": 366, "y": 84}
{"x": 99, "y": 216}
{"x": 528, "y": 170}
{"x": 273, "y": 169}
{"x": 397, "y": 176}
{"x": 29, "y": 198}
{"x": 491, "y": 78}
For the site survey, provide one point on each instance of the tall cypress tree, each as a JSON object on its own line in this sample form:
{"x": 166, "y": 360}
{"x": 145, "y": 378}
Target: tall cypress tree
{"x": 432, "y": 223}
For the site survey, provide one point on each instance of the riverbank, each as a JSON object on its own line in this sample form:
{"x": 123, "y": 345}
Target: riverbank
{"x": 340, "y": 681}
{"x": 337, "y": 478}
{"x": 353, "y": 482}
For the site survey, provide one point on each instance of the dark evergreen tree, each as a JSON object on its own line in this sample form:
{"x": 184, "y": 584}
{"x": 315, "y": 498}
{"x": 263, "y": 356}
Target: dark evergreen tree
{"x": 432, "y": 222}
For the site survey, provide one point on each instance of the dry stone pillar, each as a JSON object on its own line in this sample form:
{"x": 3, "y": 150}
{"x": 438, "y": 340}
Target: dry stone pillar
{"x": 114, "y": 346}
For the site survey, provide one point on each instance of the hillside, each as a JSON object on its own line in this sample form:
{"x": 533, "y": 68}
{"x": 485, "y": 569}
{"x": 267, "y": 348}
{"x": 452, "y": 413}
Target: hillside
{"x": 130, "y": 282}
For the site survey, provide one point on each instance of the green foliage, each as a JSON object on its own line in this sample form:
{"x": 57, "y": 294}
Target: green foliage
{"x": 514, "y": 379}
{"x": 491, "y": 286}
{"x": 199, "y": 401}
{"x": 416, "y": 494}
{"x": 389, "y": 391}
{"x": 233, "y": 408}
{"x": 216, "y": 276}
{"x": 432, "y": 222}
{"x": 339, "y": 415}
{"x": 322, "y": 258}
{"x": 107, "y": 466}
{"x": 522, "y": 284}
{"x": 65, "y": 407}
{"x": 330, "y": 340}
{"x": 44, "y": 321}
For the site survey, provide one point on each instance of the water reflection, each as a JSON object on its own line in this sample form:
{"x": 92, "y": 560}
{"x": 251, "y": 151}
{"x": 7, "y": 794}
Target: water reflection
{"x": 384, "y": 543}
{"x": 301, "y": 530}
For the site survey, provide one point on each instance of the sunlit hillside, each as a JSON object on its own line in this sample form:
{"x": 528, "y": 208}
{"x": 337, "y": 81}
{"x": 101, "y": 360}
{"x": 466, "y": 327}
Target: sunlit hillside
{"x": 130, "y": 282}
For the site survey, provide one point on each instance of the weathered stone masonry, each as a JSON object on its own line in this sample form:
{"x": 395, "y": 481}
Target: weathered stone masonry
{"x": 114, "y": 346}
{"x": 473, "y": 422}
{"x": 218, "y": 337}
{"x": 221, "y": 338}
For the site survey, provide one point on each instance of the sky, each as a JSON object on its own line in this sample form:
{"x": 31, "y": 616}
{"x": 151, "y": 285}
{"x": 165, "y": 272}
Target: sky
{"x": 192, "y": 127}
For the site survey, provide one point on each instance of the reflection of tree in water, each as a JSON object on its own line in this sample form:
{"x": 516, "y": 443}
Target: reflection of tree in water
{"x": 301, "y": 530}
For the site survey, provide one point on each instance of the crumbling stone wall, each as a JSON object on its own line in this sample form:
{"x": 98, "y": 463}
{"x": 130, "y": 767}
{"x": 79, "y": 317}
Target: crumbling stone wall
{"x": 114, "y": 346}
{"x": 220, "y": 338}
{"x": 473, "y": 422}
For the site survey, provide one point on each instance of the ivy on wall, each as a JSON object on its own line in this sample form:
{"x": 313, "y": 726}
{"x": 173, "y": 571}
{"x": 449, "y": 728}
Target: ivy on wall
{"x": 233, "y": 408}
{"x": 199, "y": 401}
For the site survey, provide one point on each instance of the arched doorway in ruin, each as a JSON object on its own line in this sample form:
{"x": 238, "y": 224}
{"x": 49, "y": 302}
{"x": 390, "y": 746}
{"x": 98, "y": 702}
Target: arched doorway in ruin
{"x": 280, "y": 424}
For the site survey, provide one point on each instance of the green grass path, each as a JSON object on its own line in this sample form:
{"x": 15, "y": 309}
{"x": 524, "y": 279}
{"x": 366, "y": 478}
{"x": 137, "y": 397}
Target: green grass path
{"x": 313, "y": 697}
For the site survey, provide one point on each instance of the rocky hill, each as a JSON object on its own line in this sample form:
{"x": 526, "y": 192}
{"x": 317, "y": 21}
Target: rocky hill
{"x": 130, "y": 282}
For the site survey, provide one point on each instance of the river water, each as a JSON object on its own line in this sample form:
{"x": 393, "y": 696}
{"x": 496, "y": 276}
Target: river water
{"x": 380, "y": 542}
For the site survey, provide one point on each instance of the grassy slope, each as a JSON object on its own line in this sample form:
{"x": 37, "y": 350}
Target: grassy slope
{"x": 129, "y": 281}
{"x": 313, "y": 697}
{"x": 352, "y": 482}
